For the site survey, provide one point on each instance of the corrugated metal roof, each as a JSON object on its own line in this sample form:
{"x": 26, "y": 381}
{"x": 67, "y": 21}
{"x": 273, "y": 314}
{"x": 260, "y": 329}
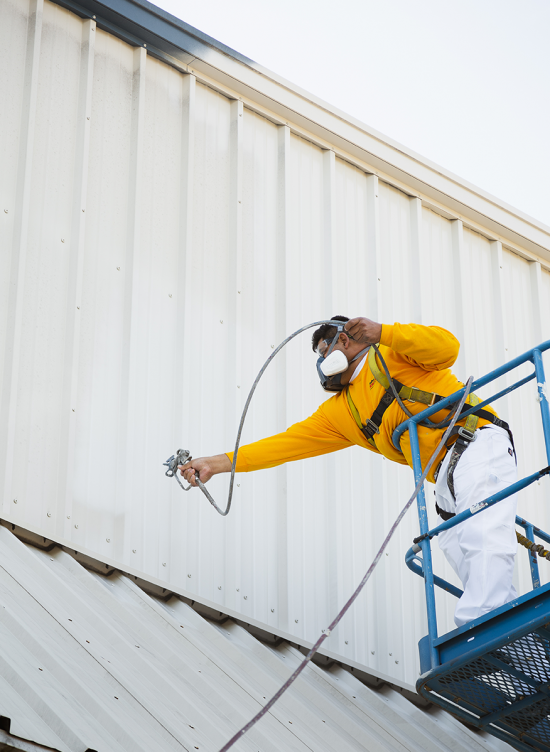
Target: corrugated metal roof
{"x": 94, "y": 662}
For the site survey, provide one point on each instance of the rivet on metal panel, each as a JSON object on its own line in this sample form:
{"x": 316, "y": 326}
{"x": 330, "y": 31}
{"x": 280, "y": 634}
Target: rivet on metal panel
{"x": 239, "y": 202}
{"x": 219, "y": 587}
{"x": 93, "y": 16}
{"x": 169, "y": 294}
{"x": 134, "y": 550}
{"x": 49, "y": 514}
{"x": 68, "y": 516}
{"x": 237, "y": 588}
{"x": 83, "y": 209}
{"x": 239, "y": 292}
{"x": 296, "y": 620}
{"x": 390, "y": 653}
{"x": 87, "y": 118}
{"x": 118, "y": 268}
{"x": 221, "y": 321}
{"x": 5, "y": 211}
{"x": 51, "y": 558}
{"x": 272, "y": 610}
{"x": 239, "y": 485}
{"x": 163, "y": 563}
{"x": 62, "y": 240}
{"x": 372, "y": 652}
{"x": 347, "y": 642}
{"x": 76, "y": 526}
{"x": 238, "y": 386}
{"x": 78, "y": 308}
{"x": 246, "y": 597}
{"x": 397, "y": 661}
{"x": 108, "y": 540}
{"x": 15, "y": 501}
{"x": 189, "y": 575}
{"x": 272, "y": 347}
{"x": 145, "y": 45}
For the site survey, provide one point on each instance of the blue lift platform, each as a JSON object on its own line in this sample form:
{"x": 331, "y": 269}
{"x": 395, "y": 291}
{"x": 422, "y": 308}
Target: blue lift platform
{"x": 494, "y": 672}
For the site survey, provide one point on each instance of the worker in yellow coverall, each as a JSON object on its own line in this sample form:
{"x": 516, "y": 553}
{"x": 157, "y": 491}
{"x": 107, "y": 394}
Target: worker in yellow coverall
{"x": 363, "y": 412}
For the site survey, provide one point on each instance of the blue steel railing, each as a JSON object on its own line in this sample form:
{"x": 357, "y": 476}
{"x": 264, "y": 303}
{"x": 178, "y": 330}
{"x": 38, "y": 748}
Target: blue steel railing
{"x": 423, "y": 566}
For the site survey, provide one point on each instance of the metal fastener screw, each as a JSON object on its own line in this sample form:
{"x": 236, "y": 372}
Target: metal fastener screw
{"x": 83, "y": 210}
{"x": 189, "y": 575}
{"x": 390, "y": 653}
{"x": 76, "y": 526}
{"x": 170, "y": 295}
{"x": 221, "y": 321}
{"x": 87, "y": 118}
{"x": 238, "y": 590}
{"x": 118, "y": 268}
{"x": 239, "y": 485}
{"x": 246, "y": 597}
{"x": 49, "y": 514}
{"x": 78, "y": 308}
{"x": 272, "y": 610}
{"x": 73, "y": 409}
{"x": 219, "y": 587}
{"x": 108, "y": 540}
{"x": 68, "y": 516}
{"x": 272, "y": 347}
{"x": 15, "y": 501}
{"x": 134, "y": 550}
{"x": 163, "y": 563}
{"x": 5, "y": 211}
{"x": 238, "y": 386}
{"x": 296, "y": 620}
{"x": 397, "y": 661}
{"x": 347, "y": 643}
{"x": 372, "y": 652}
{"x": 62, "y": 240}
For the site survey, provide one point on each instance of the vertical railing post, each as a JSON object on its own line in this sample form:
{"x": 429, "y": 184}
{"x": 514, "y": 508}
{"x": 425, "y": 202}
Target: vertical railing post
{"x": 425, "y": 545}
{"x": 543, "y": 399}
{"x": 533, "y": 563}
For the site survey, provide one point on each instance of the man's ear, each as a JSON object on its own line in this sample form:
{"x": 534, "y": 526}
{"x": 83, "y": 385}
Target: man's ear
{"x": 344, "y": 340}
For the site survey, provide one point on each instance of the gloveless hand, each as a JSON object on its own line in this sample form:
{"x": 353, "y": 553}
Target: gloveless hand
{"x": 363, "y": 330}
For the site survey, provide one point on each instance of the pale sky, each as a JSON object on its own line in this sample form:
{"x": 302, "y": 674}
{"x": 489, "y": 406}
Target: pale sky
{"x": 464, "y": 83}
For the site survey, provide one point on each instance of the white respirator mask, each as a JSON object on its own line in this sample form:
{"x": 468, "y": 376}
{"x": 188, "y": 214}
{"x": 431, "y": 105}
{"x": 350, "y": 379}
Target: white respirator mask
{"x": 334, "y": 363}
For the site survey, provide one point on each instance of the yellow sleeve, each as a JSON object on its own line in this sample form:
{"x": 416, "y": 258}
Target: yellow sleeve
{"x": 430, "y": 347}
{"x": 311, "y": 437}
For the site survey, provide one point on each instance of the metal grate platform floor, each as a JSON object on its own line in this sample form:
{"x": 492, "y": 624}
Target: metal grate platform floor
{"x": 495, "y": 673}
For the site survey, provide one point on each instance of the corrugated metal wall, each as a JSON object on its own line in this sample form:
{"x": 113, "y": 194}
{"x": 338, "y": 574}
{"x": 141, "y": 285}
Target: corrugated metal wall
{"x": 158, "y": 240}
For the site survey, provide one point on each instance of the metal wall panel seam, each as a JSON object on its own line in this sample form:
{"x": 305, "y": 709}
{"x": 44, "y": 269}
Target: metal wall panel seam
{"x": 128, "y": 355}
{"x": 373, "y": 249}
{"x": 284, "y": 270}
{"x": 8, "y": 411}
{"x": 465, "y": 316}
{"x": 417, "y": 297}
{"x": 500, "y": 342}
{"x": 536, "y": 299}
{"x": 185, "y": 279}
{"x": 74, "y": 285}
{"x": 236, "y": 249}
{"x": 329, "y": 230}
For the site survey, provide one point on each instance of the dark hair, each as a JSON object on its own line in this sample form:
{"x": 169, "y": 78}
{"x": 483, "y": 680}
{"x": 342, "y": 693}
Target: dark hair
{"x": 325, "y": 331}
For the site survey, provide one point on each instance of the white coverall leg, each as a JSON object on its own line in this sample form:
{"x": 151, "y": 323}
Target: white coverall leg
{"x": 481, "y": 550}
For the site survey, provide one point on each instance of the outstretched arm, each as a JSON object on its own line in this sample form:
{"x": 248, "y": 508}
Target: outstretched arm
{"x": 311, "y": 437}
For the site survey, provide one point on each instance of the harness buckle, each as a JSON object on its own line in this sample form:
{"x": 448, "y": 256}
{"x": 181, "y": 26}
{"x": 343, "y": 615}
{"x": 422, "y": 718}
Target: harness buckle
{"x": 369, "y": 423}
{"x": 467, "y": 435}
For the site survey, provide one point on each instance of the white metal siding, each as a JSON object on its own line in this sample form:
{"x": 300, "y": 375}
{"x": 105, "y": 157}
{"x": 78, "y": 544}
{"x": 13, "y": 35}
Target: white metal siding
{"x": 159, "y": 238}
